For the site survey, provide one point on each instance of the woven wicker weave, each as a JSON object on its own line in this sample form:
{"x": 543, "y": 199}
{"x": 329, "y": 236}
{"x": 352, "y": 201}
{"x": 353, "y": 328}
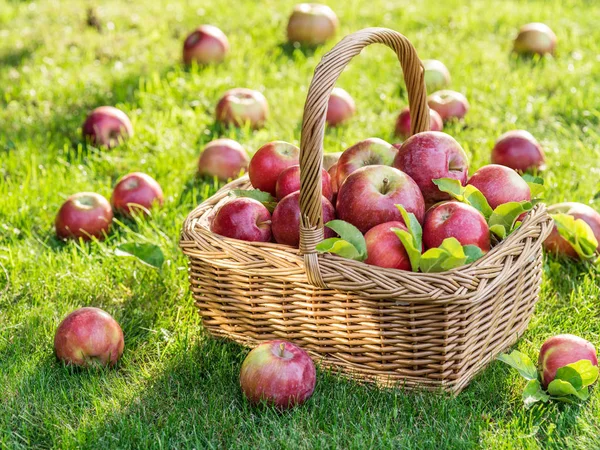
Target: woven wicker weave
{"x": 389, "y": 326}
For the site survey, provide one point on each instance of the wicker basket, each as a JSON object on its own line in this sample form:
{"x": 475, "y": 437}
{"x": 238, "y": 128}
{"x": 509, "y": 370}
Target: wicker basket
{"x": 384, "y": 325}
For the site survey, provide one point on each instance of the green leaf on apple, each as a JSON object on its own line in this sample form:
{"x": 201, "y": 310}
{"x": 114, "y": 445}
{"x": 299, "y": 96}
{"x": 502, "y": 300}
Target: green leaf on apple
{"x": 472, "y": 252}
{"x": 450, "y": 186}
{"x": 412, "y": 240}
{"x": 148, "y": 254}
{"x": 577, "y": 233}
{"x": 265, "y": 198}
{"x": 503, "y": 220}
{"x": 580, "y": 374}
{"x": 466, "y": 194}
{"x": 413, "y": 225}
{"x": 339, "y": 247}
{"x": 521, "y": 362}
{"x": 560, "y": 388}
{"x": 448, "y": 255}
{"x": 534, "y": 393}
{"x": 351, "y": 243}
{"x": 477, "y": 200}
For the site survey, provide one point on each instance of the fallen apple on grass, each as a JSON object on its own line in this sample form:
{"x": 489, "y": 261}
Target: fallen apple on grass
{"x": 449, "y": 104}
{"x": 535, "y": 38}
{"x": 87, "y": 337}
{"x": 340, "y": 108}
{"x": 519, "y": 150}
{"x": 243, "y": 218}
{"x": 558, "y": 351}
{"x": 269, "y": 161}
{"x": 136, "y": 192}
{"x": 437, "y": 75}
{"x": 312, "y": 24}
{"x": 240, "y": 106}
{"x": 500, "y": 184}
{"x": 571, "y": 238}
{"x": 107, "y": 126}
{"x": 403, "y": 124}
{"x": 85, "y": 215}
{"x": 372, "y": 151}
{"x": 289, "y": 182}
{"x": 224, "y": 159}
{"x": 206, "y": 44}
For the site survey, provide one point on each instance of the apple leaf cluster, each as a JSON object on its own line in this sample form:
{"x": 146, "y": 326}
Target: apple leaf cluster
{"x": 578, "y": 234}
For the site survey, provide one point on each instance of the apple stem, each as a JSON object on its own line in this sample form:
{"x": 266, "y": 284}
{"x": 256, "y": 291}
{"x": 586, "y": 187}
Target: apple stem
{"x": 282, "y": 349}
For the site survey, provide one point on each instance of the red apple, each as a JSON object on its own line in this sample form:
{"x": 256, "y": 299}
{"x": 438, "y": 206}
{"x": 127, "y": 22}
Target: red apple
{"x": 431, "y": 155}
{"x": 286, "y": 219}
{"x": 558, "y": 351}
{"x": 269, "y": 161}
{"x": 84, "y": 215}
{"x": 107, "y": 126}
{"x": 519, "y": 150}
{"x": 206, "y": 44}
{"x": 136, "y": 193}
{"x": 224, "y": 159}
{"x": 333, "y": 177}
{"x": 243, "y": 218}
{"x": 279, "y": 374}
{"x": 384, "y": 248}
{"x": 403, "y": 123}
{"x": 240, "y": 106}
{"x": 500, "y": 184}
{"x": 289, "y": 181}
{"x": 437, "y": 75}
{"x": 372, "y": 151}
{"x": 88, "y": 337}
{"x": 535, "y": 38}
{"x": 369, "y": 197}
{"x": 555, "y": 243}
{"x": 340, "y": 108}
{"x": 312, "y": 24}
{"x": 448, "y": 104}
{"x": 457, "y": 220}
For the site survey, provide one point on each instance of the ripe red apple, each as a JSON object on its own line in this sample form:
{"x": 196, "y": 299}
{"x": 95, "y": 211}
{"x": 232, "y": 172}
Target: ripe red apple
{"x": 369, "y": 197}
{"x": 372, "y": 151}
{"x": 136, "y": 192}
{"x": 89, "y": 336}
{"x": 240, "y": 106}
{"x": 555, "y": 243}
{"x": 289, "y": 181}
{"x": 84, "y": 215}
{"x": 384, "y": 249}
{"x": 558, "y": 351}
{"x": 519, "y": 150}
{"x": 437, "y": 75}
{"x": 312, "y": 24}
{"x": 243, "y": 218}
{"x": 535, "y": 38}
{"x": 279, "y": 374}
{"x": 500, "y": 184}
{"x": 269, "y": 161}
{"x": 206, "y": 44}
{"x": 107, "y": 126}
{"x": 333, "y": 177}
{"x": 457, "y": 220}
{"x": 340, "y": 108}
{"x": 431, "y": 155}
{"x": 286, "y": 219}
{"x": 449, "y": 104}
{"x": 224, "y": 159}
{"x": 403, "y": 123}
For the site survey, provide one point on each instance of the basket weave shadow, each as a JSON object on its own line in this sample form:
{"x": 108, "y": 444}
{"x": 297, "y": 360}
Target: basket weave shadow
{"x": 389, "y": 326}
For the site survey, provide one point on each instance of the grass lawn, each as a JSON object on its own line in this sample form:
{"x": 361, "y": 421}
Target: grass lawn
{"x": 176, "y": 387}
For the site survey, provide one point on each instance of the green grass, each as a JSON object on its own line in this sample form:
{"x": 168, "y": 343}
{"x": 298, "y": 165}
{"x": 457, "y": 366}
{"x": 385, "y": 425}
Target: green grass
{"x": 176, "y": 387}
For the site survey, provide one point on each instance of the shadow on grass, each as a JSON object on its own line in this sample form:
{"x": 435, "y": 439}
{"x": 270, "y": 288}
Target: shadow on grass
{"x": 15, "y": 57}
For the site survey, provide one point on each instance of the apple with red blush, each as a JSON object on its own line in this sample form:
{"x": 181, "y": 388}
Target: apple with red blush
{"x": 384, "y": 248}
{"x": 535, "y": 38}
{"x": 243, "y": 218}
{"x": 289, "y": 182}
{"x": 333, "y": 179}
{"x": 563, "y": 349}
{"x": 269, "y": 161}
{"x": 241, "y": 106}
{"x": 107, "y": 126}
{"x": 372, "y": 151}
{"x": 330, "y": 159}
{"x": 85, "y": 215}
{"x": 205, "y": 45}
{"x": 135, "y": 193}
{"x": 403, "y": 124}
{"x": 449, "y": 104}
{"x": 555, "y": 243}
{"x": 224, "y": 159}
{"x": 340, "y": 107}
{"x": 437, "y": 75}
{"x": 519, "y": 150}
{"x": 312, "y": 24}
{"x": 500, "y": 184}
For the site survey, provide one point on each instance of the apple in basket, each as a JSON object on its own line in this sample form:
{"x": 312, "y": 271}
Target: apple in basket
{"x": 224, "y": 159}
{"x": 312, "y": 24}
{"x": 519, "y": 150}
{"x": 449, "y": 104}
{"x": 107, "y": 126}
{"x": 206, "y": 44}
{"x": 289, "y": 181}
{"x": 136, "y": 193}
{"x": 84, "y": 215}
{"x": 500, "y": 184}
{"x": 437, "y": 75}
{"x": 329, "y": 159}
{"x": 558, "y": 351}
{"x": 384, "y": 248}
{"x": 243, "y": 218}
{"x": 89, "y": 336}
{"x": 403, "y": 123}
{"x": 340, "y": 108}
{"x": 269, "y": 161}
{"x": 372, "y": 151}
{"x": 370, "y": 194}
{"x": 535, "y": 38}
{"x": 333, "y": 177}
{"x": 278, "y": 374}
{"x": 555, "y": 243}
{"x": 242, "y": 106}
{"x": 431, "y": 155}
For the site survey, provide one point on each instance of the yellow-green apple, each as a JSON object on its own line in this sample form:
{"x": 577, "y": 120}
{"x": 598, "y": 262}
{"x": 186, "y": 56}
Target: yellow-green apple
{"x": 431, "y": 155}
{"x": 555, "y": 243}
{"x": 403, "y": 123}
{"x": 224, "y": 159}
{"x": 289, "y": 181}
{"x": 449, "y": 104}
{"x": 278, "y": 374}
{"x": 269, "y": 161}
{"x": 372, "y": 151}
{"x": 437, "y": 75}
{"x": 457, "y": 220}
{"x": 340, "y": 108}
{"x": 535, "y": 38}
{"x": 563, "y": 349}
{"x": 84, "y": 215}
{"x": 286, "y": 219}
{"x": 107, "y": 126}
{"x": 384, "y": 248}
{"x": 88, "y": 337}
{"x": 240, "y": 106}
{"x": 135, "y": 193}
{"x": 330, "y": 159}
{"x": 519, "y": 150}
{"x": 243, "y": 218}
{"x": 312, "y": 24}
{"x": 500, "y": 184}
{"x": 369, "y": 197}
{"x": 206, "y": 44}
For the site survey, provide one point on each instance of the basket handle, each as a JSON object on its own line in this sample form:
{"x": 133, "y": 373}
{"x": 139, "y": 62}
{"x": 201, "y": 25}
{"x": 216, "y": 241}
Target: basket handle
{"x": 313, "y": 126}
